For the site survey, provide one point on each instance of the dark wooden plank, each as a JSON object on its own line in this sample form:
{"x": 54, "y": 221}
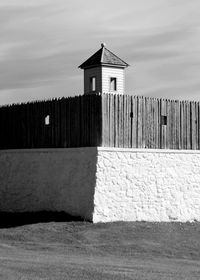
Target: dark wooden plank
{"x": 155, "y": 104}
{"x": 173, "y": 124}
{"x": 91, "y": 121}
{"x": 170, "y": 131}
{"x": 50, "y": 130}
{"x": 181, "y": 126}
{"x": 139, "y": 122}
{"x": 115, "y": 121}
{"x": 131, "y": 123}
{"x": 1, "y": 128}
{"x": 157, "y": 118}
{"x": 86, "y": 120}
{"x": 169, "y": 127}
{"x": 100, "y": 132}
{"x": 68, "y": 122}
{"x": 73, "y": 123}
{"x": 143, "y": 101}
{"x": 82, "y": 121}
{"x": 95, "y": 119}
{"x": 104, "y": 120}
{"x": 77, "y": 121}
{"x": 159, "y": 123}
{"x": 71, "y": 113}
{"x": 76, "y": 118}
{"x": 134, "y": 123}
{"x": 63, "y": 123}
{"x": 148, "y": 123}
{"x": 189, "y": 144}
{"x": 185, "y": 124}
{"x": 120, "y": 137}
{"x": 120, "y": 120}
{"x": 107, "y": 121}
{"x": 125, "y": 123}
{"x": 129, "y": 120}
{"x": 164, "y": 142}
{"x": 112, "y": 121}
{"x": 178, "y": 125}
{"x": 193, "y": 125}
{"x": 198, "y": 124}
{"x": 154, "y": 124}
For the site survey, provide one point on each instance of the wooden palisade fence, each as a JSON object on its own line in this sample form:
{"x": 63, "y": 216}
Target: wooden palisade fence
{"x": 73, "y": 122}
{"x": 142, "y": 122}
{"x": 101, "y": 120}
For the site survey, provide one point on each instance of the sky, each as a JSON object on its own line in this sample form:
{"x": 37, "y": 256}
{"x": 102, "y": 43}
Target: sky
{"x": 42, "y": 43}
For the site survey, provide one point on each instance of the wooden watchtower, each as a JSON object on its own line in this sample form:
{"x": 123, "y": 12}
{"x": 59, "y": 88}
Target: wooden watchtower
{"x": 104, "y": 72}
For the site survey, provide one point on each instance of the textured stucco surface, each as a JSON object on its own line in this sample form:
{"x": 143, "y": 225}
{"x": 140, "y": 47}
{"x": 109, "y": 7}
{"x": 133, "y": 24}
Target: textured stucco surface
{"x": 147, "y": 185}
{"x": 48, "y": 179}
{"x": 103, "y": 184}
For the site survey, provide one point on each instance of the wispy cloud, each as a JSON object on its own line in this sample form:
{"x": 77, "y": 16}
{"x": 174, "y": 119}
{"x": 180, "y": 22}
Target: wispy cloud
{"x": 43, "y": 41}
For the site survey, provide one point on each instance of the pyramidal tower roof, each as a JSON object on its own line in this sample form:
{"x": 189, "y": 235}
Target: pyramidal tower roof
{"x": 103, "y": 57}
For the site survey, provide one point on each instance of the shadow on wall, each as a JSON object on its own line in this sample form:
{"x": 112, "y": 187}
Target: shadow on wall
{"x": 8, "y": 220}
{"x": 50, "y": 180}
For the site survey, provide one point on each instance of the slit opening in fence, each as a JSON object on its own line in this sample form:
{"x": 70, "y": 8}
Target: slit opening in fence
{"x": 164, "y": 120}
{"x": 47, "y": 120}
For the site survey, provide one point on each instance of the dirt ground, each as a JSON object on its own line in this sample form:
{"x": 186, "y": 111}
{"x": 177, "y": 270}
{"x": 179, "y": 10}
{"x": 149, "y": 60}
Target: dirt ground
{"x": 81, "y": 250}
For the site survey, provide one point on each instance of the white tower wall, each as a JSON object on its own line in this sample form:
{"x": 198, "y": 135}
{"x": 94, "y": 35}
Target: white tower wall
{"x": 92, "y": 72}
{"x": 103, "y": 74}
{"x": 113, "y": 72}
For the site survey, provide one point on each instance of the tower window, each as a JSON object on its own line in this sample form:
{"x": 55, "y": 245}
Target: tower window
{"x": 113, "y": 84}
{"x": 93, "y": 83}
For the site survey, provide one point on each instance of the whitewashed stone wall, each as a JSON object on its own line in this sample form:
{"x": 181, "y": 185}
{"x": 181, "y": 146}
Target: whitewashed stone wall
{"x": 48, "y": 179}
{"x": 147, "y": 185}
{"x": 103, "y": 184}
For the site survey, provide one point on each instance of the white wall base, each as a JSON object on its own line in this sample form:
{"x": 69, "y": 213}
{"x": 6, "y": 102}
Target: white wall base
{"x": 147, "y": 185}
{"x": 48, "y": 180}
{"x": 103, "y": 184}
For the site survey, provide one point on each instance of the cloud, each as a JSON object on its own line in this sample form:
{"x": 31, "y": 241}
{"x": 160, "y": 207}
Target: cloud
{"x": 43, "y": 41}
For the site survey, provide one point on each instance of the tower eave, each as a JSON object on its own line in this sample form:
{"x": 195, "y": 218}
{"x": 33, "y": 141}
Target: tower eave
{"x": 104, "y": 64}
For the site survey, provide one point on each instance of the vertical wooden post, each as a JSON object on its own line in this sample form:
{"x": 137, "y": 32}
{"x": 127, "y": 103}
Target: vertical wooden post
{"x": 163, "y": 131}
